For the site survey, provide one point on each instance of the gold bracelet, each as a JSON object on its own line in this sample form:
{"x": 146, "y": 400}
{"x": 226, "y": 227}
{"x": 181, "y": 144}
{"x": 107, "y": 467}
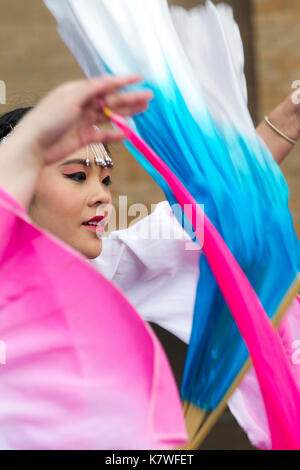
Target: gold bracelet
{"x": 291, "y": 141}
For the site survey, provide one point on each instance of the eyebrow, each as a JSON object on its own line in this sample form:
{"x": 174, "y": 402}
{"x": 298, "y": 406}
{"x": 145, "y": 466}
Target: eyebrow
{"x": 74, "y": 160}
{"x": 80, "y": 161}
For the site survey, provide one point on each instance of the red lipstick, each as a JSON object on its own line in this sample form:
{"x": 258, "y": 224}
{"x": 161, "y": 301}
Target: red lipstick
{"x": 96, "y": 224}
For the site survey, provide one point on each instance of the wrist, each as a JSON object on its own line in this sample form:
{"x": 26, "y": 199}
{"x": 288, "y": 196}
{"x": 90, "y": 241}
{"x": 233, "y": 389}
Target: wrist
{"x": 286, "y": 118}
{"x": 20, "y": 167}
{"x": 24, "y": 147}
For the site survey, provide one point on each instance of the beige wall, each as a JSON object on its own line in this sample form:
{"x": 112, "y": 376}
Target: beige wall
{"x": 33, "y": 60}
{"x": 276, "y": 26}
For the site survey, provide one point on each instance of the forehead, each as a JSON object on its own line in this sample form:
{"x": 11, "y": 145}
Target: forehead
{"x": 90, "y": 156}
{"x": 79, "y": 154}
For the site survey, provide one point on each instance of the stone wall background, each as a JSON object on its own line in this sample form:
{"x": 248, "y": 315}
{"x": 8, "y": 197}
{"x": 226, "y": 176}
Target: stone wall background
{"x": 33, "y": 60}
{"x": 277, "y": 64}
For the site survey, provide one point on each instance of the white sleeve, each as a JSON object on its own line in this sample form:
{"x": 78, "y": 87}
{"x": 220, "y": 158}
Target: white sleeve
{"x": 153, "y": 264}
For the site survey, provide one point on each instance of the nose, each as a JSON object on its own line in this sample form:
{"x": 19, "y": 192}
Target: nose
{"x": 98, "y": 194}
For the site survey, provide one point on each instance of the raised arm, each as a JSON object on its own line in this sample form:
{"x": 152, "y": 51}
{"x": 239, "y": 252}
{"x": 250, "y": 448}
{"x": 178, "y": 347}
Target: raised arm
{"x": 63, "y": 122}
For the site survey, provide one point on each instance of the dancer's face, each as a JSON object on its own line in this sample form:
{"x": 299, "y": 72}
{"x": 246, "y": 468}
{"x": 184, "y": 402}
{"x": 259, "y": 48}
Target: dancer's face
{"x": 69, "y": 194}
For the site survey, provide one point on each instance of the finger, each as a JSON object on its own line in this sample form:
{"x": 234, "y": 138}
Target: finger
{"x": 118, "y": 100}
{"x": 132, "y": 110}
{"x": 68, "y": 146}
{"x": 95, "y": 134}
{"x": 106, "y": 136}
{"x": 85, "y": 90}
{"x": 134, "y": 103}
{"x": 109, "y": 83}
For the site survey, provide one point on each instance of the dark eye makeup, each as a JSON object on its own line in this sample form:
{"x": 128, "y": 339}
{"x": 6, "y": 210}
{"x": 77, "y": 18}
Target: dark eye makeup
{"x": 107, "y": 181}
{"x": 80, "y": 176}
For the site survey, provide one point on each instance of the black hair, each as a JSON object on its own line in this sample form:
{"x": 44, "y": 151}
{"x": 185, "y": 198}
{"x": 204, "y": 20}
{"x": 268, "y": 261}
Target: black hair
{"x": 9, "y": 120}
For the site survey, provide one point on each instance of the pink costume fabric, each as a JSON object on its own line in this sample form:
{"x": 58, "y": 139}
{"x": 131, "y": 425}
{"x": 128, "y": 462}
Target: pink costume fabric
{"x": 246, "y": 404}
{"x": 157, "y": 267}
{"x": 82, "y": 369}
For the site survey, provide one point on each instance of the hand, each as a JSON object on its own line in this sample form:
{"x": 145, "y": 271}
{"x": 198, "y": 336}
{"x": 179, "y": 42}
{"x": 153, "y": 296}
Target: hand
{"x": 286, "y": 117}
{"x": 60, "y": 124}
{"x": 64, "y": 120}
{"x": 295, "y": 99}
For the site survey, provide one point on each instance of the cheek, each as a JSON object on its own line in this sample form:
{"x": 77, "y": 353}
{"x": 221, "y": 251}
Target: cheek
{"x": 109, "y": 207}
{"x": 67, "y": 201}
{"x": 56, "y": 198}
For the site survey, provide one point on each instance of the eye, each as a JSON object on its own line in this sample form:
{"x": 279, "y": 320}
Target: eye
{"x": 107, "y": 181}
{"x": 79, "y": 176}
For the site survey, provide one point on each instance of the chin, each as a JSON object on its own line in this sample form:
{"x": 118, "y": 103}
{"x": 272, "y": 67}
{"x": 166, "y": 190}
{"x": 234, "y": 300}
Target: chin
{"x": 93, "y": 251}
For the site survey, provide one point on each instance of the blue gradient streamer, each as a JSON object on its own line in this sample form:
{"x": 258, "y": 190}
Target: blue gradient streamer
{"x": 246, "y": 197}
{"x": 243, "y": 191}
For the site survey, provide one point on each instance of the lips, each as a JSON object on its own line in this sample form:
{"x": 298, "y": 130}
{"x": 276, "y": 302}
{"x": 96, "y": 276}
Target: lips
{"x": 96, "y": 225}
{"x": 95, "y": 220}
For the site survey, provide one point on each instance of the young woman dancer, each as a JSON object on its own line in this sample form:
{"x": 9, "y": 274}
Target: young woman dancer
{"x": 159, "y": 276}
